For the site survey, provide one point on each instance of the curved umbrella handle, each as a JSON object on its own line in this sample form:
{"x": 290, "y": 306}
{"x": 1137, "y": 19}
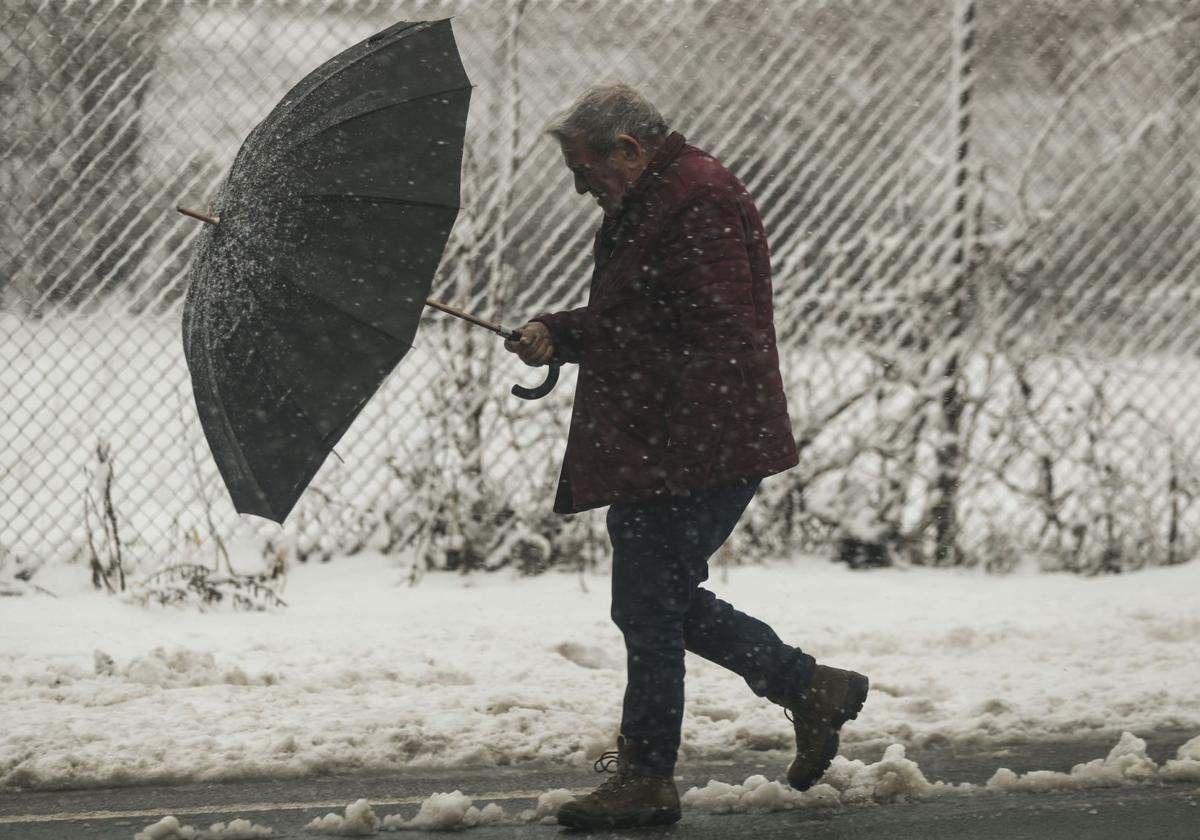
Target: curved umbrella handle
{"x": 541, "y": 390}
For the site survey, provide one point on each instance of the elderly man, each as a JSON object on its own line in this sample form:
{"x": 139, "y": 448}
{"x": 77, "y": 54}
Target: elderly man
{"x": 679, "y": 413}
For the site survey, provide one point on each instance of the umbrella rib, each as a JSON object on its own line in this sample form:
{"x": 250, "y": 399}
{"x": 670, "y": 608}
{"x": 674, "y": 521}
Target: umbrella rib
{"x": 259, "y": 299}
{"x": 411, "y": 28}
{"x": 319, "y": 132}
{"x": 328, "y": 198}
{"x": 334, "y": 436}
{"x": 233, "y": 445}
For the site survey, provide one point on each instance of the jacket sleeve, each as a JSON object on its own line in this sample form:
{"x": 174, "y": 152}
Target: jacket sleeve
{"x": 567, "y": 328}
{"x": 708, "y": 282}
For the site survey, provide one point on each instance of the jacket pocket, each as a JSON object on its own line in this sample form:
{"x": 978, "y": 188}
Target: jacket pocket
{"x": 637, "y": 402}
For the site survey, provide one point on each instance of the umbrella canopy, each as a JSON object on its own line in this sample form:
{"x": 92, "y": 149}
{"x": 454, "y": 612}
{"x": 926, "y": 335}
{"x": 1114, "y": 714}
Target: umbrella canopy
{"x": 308, "y": 291}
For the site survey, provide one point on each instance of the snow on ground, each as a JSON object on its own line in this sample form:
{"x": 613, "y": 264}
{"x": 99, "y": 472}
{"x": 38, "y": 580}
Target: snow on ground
{"x": 439, "y": 812}
{"x": 358, "y": 820}
{"x": 894, "y": 778}
{"x": 362, "y": 672}
{"x": 169, "y": 828}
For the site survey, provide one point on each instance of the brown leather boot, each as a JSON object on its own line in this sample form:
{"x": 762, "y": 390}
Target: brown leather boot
{"x": 633, "y": 796}
{"x": 834, "y": 697}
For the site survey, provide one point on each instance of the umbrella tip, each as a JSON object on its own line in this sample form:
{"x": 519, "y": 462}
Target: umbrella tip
{"x": 195, "y": 214}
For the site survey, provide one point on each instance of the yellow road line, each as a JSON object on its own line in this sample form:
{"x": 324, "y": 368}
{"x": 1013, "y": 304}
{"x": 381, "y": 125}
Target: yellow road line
{"x": 240, "y": 807}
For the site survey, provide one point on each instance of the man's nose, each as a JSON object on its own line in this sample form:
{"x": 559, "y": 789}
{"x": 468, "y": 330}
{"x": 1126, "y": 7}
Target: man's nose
{"x": 581, "y": 186}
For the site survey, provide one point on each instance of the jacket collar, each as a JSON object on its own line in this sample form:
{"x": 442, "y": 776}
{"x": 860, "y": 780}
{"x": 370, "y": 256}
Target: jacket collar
{"x": 637, "y": 205}
{"x": 652, "y": 174}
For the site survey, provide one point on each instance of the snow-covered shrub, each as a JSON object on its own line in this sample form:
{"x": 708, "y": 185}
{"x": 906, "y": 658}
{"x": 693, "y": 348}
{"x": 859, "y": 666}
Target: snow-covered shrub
{"x": 1090, "y": 481}
{"x": 15, "y": 573}
{"x": 1060, "y": 466}
{"x": 185, "y": 584}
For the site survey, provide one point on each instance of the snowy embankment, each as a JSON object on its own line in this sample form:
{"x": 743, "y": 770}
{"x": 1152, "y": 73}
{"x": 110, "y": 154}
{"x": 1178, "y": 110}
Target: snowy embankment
{"x": 361, "y": 672}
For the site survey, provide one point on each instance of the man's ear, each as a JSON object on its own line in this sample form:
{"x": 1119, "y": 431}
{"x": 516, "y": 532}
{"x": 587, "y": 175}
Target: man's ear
{"x": 628, "y": 147}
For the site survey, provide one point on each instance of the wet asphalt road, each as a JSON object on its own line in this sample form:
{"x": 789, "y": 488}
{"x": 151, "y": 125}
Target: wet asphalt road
{"x": 1143, "y": 812}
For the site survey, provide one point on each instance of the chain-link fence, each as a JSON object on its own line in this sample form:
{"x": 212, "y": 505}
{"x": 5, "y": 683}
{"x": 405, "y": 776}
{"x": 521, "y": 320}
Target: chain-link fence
{"x": 983, "y": 219}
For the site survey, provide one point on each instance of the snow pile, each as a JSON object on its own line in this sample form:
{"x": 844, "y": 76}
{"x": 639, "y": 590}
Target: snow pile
{"x": 179, "y": 668}
{"x": 1126, "y": 763}
{"x": 894, "y": 778}
{"x": 168, "y": 828}
{"x": 358, "y": 821}
{"x": 589, "y": 656}
{"x": 756, "y": 795}
{"x": 452, "y": 811}
{"x": 444, "y": 812}
{"x": 546, "y": 810}
{"x": 455, "y": 811}
{"x": 1185, "y": 768}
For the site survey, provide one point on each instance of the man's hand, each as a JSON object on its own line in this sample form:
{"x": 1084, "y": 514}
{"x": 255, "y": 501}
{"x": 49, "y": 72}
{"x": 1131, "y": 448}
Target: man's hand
{"x": 536, "y": 346}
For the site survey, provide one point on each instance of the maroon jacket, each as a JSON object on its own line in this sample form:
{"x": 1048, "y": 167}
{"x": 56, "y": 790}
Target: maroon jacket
{"x": 678, "y": 369}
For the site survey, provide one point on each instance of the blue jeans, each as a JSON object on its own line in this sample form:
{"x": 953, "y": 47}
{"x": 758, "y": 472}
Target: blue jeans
{"x": 660, "y": 558}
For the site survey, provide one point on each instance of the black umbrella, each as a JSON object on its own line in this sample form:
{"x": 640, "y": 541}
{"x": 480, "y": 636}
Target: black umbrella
{"x": 306, "y": 287}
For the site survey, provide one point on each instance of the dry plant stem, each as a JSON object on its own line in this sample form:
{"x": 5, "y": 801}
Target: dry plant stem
{"x": 206, "y": 501}
{"x": 1182, "y": 495}
{"x": 105, "y": 517}
{"x": 1046, "y": 496}
{"x": 98, "y": 575}
{"x": 111, "y": 529}
{"x": 1173, "y": 523}
{"x": 1112, "y": 527}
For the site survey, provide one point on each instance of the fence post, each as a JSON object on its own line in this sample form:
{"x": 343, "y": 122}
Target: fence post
{"x": 1186, "y": 127}
{"x": 949, "y": 454}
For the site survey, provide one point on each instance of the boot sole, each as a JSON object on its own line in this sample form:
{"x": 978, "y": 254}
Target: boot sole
{"x": 656, "y": 816}
{"x": 856, "y": 695}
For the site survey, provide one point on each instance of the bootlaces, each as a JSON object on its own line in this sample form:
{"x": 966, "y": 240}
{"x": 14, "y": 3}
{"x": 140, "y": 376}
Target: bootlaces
{"x": 787, "y": 713}
{"x": 607, "y": 762}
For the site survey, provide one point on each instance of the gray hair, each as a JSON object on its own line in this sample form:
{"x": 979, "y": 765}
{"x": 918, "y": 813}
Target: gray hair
{"x": 603, "y": 112}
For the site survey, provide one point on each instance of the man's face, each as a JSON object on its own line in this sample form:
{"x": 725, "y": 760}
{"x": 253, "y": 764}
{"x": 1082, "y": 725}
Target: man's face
{"x": 606, "y": 179}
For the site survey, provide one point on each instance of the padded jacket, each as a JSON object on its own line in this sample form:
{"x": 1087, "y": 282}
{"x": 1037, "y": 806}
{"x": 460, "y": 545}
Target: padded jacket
{"x": 678, "y": 366}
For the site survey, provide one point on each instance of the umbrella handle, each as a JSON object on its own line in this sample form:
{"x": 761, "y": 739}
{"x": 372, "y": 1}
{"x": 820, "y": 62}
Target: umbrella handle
{"x": 541, "y": 390}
